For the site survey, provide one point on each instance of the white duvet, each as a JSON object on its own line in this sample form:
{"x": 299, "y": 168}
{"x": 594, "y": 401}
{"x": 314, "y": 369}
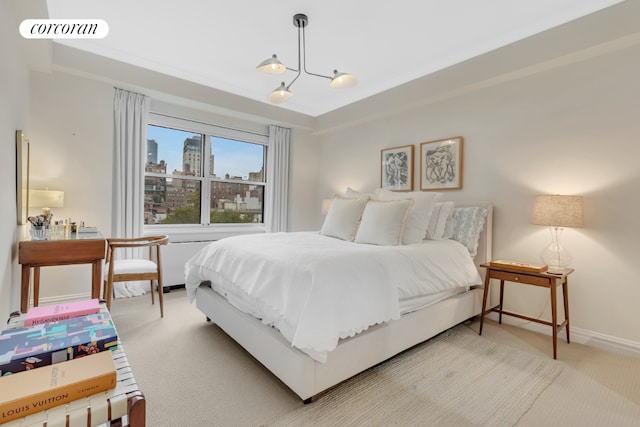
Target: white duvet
{"x": 316, "y": 289}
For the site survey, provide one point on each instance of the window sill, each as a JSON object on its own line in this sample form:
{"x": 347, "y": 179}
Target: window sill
{"x": 201, "y": 233}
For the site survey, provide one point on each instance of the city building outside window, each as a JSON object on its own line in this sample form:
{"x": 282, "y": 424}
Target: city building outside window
{"x": 205, "y": 175}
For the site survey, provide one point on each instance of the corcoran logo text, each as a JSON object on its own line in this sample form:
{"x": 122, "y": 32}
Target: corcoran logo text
{"x": 64, "y": 29}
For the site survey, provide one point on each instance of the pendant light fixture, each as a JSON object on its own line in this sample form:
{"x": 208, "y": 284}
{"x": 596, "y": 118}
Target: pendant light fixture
{"x": 274, "y": 66}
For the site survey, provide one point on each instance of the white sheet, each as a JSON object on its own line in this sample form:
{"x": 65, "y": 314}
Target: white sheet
{"x": 316, "y": 289}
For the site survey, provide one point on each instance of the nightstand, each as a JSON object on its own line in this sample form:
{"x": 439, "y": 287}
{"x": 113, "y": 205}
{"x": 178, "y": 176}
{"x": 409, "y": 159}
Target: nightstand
{"x": 524, "y": 277}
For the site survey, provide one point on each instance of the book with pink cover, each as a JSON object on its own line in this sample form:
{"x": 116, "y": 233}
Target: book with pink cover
{"x": 57, "y": 312}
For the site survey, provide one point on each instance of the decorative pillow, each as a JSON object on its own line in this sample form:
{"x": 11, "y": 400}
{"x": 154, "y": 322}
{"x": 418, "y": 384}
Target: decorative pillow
{"x": 467, "y": 225}
{"x": 343, "y": 218}
{"x": 382, "y": 222}
{"x": 448, "y": 227}
{"x": 441, "y": 213}
{"x": 350, "y": 193}
{"x": 419, "y": 214}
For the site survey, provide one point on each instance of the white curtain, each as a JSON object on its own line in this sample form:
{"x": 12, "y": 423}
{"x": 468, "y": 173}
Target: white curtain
{"x": 131, "y": 112}
{"x": 277, "y": 191}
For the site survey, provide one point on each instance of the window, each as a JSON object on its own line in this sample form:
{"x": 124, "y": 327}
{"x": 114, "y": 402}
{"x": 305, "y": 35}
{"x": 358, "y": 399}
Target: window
{"x": 201, "y": 174}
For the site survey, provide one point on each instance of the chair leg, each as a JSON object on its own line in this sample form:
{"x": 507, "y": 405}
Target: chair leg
{"x": 104, "y": 292}
{"x": 160, "y": 292}
{"x": 109, "y": 292}
{"x": 152, "y": 292}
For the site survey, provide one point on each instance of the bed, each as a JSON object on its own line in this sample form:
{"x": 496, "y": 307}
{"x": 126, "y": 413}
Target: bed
{"x": 306, "y": 358}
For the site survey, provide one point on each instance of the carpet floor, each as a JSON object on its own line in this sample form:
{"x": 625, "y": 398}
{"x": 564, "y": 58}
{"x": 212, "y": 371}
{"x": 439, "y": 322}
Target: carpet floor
{"x": 194, "y": 375}
{"x": 454, "y": 379}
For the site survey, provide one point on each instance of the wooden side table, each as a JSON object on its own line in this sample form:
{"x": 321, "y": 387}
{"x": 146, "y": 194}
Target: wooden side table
{"x": 546, "y": 280}
{"x": 76, "y": 248}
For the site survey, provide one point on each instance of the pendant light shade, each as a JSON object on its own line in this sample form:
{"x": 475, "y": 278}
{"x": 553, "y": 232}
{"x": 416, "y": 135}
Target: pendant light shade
{"x": 280, "y": 94}
{"x": 342, "y": 80}
{"x": 274, "y": 66}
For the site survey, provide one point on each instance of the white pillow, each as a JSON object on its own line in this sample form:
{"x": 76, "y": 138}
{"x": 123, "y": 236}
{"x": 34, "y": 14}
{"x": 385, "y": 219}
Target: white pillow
{"x": 467, "y": 225}
{"x": 448, "y": 228}
{"x": 419, "y": 214}
{"x": 382, "y": 222}
{"x": 343, "y": 218}
{"x": 350, "y": 193}
{"x": 441, "y": 213}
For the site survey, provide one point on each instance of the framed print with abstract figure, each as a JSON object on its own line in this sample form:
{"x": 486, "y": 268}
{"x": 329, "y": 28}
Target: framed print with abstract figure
{"x": 441, "y": 164}
{"x": 396, "y": 168}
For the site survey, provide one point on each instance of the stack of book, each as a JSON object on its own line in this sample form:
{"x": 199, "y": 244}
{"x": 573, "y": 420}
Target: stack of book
{"x": 523, "y": 266}
{"x": 45, "y": 363}
{"x": 55, "y": 313}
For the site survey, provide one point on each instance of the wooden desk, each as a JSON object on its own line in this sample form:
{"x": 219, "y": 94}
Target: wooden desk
{"x": 77, "y": 248}
{"x": 547, "y": 280}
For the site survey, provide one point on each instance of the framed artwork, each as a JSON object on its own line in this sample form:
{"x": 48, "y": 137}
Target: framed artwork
{"x": 441, "y": 164}
{"x": 22, "y": 177}
{"x": 396, "y": 168}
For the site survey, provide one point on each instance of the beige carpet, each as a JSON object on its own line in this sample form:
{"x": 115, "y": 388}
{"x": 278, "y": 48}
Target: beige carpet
{"x": 455, "y": 379}
{"x": 194, "y": 375}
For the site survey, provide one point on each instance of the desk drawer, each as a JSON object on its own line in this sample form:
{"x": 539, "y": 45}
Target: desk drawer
{"x": 520, "y": 278}
{"x": 58, "y": 252}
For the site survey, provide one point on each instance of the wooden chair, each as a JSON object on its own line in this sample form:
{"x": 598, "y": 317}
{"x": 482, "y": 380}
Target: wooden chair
{"x": 126, "y": 270}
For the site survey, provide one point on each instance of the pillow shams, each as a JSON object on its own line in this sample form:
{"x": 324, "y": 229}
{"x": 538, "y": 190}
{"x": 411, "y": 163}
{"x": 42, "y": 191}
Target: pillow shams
{"x": 350, "y": 193}
{"x": 383, "y": 222}
{"x": 467, "y": 225}
{"x": 343, "y": 218}
{"x": 441, "y": 213}
{"x": 419, "y": 214}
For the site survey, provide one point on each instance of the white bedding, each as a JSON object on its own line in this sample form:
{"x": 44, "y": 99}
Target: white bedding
{"x": 316, "y": 289}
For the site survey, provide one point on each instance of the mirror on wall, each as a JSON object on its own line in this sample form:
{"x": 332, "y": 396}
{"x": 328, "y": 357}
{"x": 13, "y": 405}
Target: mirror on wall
{"x": 22, "y": 177}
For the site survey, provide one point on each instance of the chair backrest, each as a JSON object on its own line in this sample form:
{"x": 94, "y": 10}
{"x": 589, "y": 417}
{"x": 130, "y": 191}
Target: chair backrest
{"x": 143, "y": 273}
{"x": 135, "y": 242}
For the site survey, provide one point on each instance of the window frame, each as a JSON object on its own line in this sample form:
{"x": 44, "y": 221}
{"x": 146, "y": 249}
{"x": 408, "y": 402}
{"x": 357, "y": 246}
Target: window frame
{"x": 208, "y": 231}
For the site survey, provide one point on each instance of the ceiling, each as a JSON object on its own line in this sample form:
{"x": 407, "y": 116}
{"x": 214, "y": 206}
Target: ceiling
{"x": 218, "y": 44}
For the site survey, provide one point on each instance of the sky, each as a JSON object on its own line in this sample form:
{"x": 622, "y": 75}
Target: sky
{"x": 236, "y": 159}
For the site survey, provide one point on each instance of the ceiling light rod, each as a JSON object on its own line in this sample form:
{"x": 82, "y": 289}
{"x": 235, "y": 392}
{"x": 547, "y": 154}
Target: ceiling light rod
{"x": 274, "y": 66}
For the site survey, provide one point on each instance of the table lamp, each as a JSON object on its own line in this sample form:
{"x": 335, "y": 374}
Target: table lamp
{"x": 46, "y": 199}
{"x": 326, "y": 204}
{"x": 557, "y": 212}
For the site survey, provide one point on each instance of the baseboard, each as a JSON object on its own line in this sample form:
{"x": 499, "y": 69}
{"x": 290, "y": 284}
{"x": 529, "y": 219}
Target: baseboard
{"x": 167, "y": 289}
{"x": 579, "y": 335}
{"x": 61, "y": 298}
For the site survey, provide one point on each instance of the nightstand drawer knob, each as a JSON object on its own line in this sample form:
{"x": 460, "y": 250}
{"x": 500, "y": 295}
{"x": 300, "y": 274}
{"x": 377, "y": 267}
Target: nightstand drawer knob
{"x": 516, "y": 278}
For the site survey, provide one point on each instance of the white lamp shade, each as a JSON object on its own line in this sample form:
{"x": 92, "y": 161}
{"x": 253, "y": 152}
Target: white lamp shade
{"x": 342, "y": 80}
{"x": 272, "y": 66}
{"x": 46, "y": 199}
{"x": 558, "y": 211}
{"x": 326, "y": 204}
{"x": 279, "y": 95}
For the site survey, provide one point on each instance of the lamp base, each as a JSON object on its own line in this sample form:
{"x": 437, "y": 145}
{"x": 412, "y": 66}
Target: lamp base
{"x": 553, "y": 269}
{"x": 554, "y": 255}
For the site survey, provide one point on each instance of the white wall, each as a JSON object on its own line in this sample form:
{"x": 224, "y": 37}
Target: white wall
{"x": 14, "y": 90}
{"x": 71, "y": 150}
{"x": 573, "y": 129}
